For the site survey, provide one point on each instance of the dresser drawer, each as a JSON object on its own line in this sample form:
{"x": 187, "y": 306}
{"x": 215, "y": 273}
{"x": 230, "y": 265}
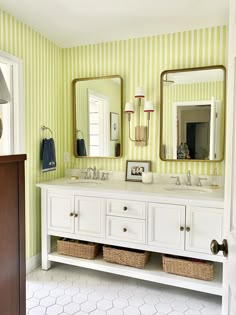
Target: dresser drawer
{"x": 126, "y": 229}
{"x": 126, "y": 208}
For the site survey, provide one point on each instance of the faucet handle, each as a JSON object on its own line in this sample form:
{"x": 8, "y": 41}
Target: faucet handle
{"x": 104, "y": 175}
{"x": 86, "y": 174}
{"x": 200, "y": 179}
{"x": 177, "y": 180}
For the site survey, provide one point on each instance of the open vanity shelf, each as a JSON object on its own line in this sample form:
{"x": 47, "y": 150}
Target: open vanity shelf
{"x": 153, "y": 272}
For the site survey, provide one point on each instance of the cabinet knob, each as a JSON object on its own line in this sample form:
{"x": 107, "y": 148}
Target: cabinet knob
{"x": 181, "y": 228}
{"x": 216, "y": 247}
{"x": 124, "y": 230}
{"x": 76, "y": 215}
{"x": 125, "y": 208}
{"x": 188, "y": 229}
{"x": 71, "y": 214}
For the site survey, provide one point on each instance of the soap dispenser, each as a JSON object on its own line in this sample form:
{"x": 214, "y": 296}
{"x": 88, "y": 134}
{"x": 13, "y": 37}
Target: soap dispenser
{"x": 215, "y": 178}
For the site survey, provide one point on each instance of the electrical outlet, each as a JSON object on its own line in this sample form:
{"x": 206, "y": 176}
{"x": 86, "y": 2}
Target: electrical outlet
{"x": 66, "y": 157}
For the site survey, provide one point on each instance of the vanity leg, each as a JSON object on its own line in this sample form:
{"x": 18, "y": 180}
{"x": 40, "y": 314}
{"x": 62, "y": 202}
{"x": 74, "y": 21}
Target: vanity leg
{"x": 45, "y": 238}
{"x": 46, "y": 248}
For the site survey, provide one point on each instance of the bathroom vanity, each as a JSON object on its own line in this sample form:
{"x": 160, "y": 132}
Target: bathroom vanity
{"x": 168, "y": 219}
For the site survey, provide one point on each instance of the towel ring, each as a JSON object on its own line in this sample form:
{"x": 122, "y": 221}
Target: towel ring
{"x": 78, "y": 130}
{"x": 46, "y": 128}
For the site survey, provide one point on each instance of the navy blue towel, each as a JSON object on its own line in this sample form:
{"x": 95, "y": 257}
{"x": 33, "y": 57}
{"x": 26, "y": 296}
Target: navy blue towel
{"x": 81, "y": 149}
{"x": 48, "y": 155}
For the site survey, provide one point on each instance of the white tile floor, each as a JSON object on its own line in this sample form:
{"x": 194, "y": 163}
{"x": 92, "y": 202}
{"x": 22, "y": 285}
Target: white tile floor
{"x": 71, "y": 290}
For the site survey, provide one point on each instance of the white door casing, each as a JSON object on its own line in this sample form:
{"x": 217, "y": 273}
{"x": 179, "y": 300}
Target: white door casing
{"x": 229, "y": 270}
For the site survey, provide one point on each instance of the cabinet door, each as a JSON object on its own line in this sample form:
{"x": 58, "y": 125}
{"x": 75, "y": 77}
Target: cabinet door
{"x": 166, "y": 225}
{"x": 90, "y": 216}
{"x": 202, "y": 226}
{"x": 61, "y": 212}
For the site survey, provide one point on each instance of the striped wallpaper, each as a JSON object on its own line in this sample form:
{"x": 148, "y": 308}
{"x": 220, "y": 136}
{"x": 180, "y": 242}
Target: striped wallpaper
{"x": 140, "y": 61}
{"x": 48, "y": 74}
{"x": 43, "y": 106}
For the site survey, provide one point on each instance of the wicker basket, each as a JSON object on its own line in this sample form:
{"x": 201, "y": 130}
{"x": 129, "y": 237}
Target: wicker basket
{"x": 188, "y": 267}
{"x": 127, "y": 257}
{"x": 77, "y": 248}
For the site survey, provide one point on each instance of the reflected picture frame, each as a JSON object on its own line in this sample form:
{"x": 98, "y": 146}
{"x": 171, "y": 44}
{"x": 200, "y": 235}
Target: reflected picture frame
{"x": 114, "y": 126}
{"x": 135, "y": 168}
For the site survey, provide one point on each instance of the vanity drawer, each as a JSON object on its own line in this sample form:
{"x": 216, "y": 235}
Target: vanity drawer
{"x": 126, "y": 208}
{"x": 126, "y": 229}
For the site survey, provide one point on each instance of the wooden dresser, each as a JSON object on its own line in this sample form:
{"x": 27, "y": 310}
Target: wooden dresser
{"x": 12, "y": 235}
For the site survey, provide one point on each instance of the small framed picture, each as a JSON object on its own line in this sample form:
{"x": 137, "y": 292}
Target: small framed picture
{"x": 134, "y": 170}
{"x": 114, "y": 126}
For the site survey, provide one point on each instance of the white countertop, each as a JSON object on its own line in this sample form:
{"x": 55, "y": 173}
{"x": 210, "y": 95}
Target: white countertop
{"x": 193, "y": 195}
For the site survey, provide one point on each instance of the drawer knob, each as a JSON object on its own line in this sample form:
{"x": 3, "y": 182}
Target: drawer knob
{"x": 125, "y": 208}
{"x": 75, "y": 215}
{"x": 188, "y": 229}
{"x": 124, "y": 230}
{"x": 181, "y": 228}
{"x": 71, "y": 214}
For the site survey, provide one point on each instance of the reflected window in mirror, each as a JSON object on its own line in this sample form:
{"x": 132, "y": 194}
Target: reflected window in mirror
{"x": 94, "y": 99}
{"x": 192, "y": 113}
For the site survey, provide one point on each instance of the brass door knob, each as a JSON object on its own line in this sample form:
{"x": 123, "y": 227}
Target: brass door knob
{"x": 188, "y": 229}
{"x": 124, "y": 230}
{"x": 75, "y": 215}
{"x": 71, "y": 214}
{"x": 125, "y": 208}
{"x": 216, "y": 247}
{"x": 181, "y": 228}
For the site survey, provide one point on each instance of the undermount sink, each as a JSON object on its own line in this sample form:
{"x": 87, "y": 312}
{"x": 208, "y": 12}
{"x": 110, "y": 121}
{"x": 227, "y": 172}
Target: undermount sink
{"x": 84, "y": 182}
{"x": 187, "y": 189}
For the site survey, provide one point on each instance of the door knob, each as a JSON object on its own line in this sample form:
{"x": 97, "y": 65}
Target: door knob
{"x": 216, "y": 247}
{"x": 75, "y": 215}
{"x": 181, "y": 228}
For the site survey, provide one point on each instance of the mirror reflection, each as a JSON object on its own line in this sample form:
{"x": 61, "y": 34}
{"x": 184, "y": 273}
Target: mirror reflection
{"x": 192, "y": 114}
{"x": 97, "y": 116}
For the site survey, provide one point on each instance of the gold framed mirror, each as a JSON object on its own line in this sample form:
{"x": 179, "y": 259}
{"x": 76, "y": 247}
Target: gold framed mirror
{"x": 192, "y": 114}
{"x": 97, "y": 116}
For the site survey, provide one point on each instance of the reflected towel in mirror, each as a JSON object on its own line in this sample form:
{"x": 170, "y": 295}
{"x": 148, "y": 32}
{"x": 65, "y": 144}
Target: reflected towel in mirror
{"x": 81, "y": 148}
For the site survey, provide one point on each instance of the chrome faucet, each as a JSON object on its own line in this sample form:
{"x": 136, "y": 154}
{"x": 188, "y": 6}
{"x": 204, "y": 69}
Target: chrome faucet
{"x": 94, "y": 170}
{"x": 188, "y": 183}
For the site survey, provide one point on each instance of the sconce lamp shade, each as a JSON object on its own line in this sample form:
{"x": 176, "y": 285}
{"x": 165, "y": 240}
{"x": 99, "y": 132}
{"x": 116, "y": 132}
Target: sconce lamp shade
{"x": 139, "y": 92}
{"x": 129, "y": 107}
{"x": 5, "y": 96}
{"x": 148, "y": 106}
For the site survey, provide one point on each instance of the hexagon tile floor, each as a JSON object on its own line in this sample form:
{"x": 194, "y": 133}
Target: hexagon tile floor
{"x": 68, "y": 290}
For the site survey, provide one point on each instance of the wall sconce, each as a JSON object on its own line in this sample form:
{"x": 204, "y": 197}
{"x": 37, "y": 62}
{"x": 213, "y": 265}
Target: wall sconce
{"x": 141, "y": 132}
{"x": 5, "y": 96}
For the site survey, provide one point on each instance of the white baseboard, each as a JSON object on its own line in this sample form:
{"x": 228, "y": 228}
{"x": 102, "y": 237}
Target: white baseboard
{"x": 32, "y": 263}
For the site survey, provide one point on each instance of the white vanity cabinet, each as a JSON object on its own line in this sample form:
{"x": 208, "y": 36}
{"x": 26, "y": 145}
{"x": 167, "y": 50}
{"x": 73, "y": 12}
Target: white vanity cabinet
{"x": 136, "y": 219}
{"x": 79, "y": 215}
{"x": 187, "y": 228}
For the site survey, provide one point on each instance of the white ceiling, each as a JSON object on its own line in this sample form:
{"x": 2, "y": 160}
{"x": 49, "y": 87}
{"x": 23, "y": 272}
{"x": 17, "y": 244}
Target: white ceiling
{"x": 76, "y": 22}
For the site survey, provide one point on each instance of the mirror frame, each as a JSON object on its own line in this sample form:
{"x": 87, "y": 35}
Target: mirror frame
{"x": 161, "y": 111}
{"x": 74, "y": 81}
